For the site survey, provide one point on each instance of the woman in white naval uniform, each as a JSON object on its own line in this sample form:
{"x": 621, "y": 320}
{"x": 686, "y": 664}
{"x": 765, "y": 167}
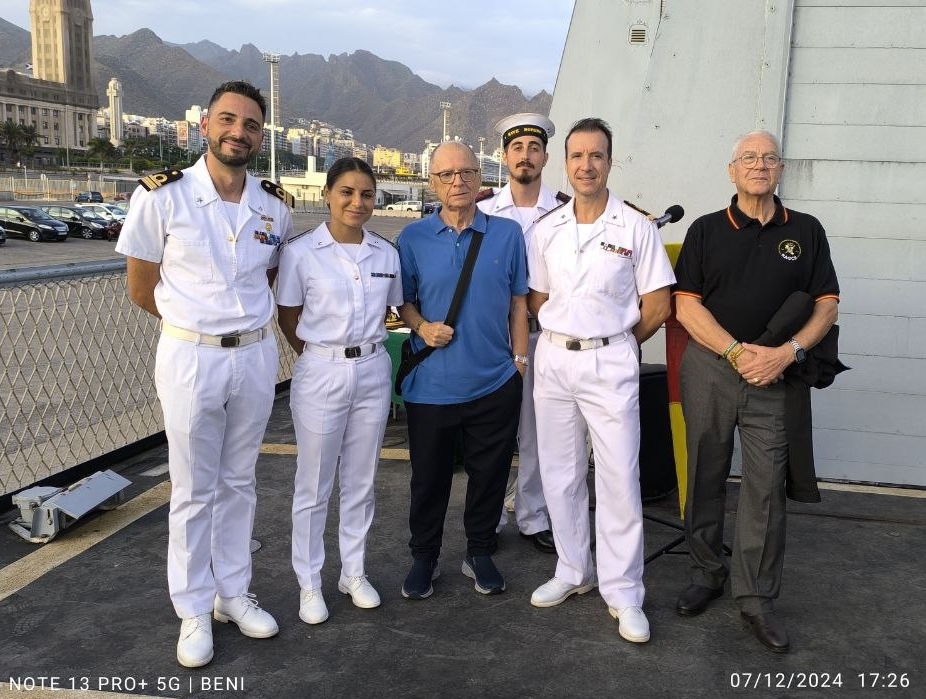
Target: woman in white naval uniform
{"x": 335, "y": 286}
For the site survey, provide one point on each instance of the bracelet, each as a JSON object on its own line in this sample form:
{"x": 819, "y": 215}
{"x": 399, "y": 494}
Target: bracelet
{"x": 418, "y": 327}
{"x": 727, "y": 351}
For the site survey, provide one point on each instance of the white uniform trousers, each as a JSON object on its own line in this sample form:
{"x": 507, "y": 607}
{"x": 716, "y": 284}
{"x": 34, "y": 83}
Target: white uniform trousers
{"x": 216, "y": 404}
{"x": 530, "y": 508}
{"x": 599, "y": 388}
{"x": 340, "y": 408}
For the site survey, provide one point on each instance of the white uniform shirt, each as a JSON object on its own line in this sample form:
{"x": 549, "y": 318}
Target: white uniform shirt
{"x": 344, "y": 300}
{"x": 213, "y": 271}
{"x": 502, "y": 204}
{"x": 595, "y": 281}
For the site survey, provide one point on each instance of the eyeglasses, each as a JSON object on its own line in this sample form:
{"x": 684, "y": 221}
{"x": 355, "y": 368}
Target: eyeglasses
{"x": 750, "y": 160}
{"x": 446, "y": 177}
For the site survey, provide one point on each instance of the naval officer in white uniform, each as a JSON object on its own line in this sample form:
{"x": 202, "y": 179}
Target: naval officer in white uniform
{"x": 202, "y": 248}
{"x": 335, "y": 286}
{"x": 599, "y": 283}
{"x": 525, "y": 199}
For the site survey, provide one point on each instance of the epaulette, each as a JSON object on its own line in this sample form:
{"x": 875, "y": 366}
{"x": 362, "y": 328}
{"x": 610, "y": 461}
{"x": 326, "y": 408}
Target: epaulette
{"x": 552, "y": 210}
{"x": 297, "y": 237}
{"x": 277, "y": 191}
{"x": 639, "y": 210}
{"x": 382, "y": 238}
{"x": 563, "y": 197}
{"x": 485, "y": 194}
{"x": 158, "y": 179}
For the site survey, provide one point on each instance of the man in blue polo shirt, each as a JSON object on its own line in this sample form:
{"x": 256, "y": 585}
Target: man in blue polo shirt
{"x": 470, "y": 388}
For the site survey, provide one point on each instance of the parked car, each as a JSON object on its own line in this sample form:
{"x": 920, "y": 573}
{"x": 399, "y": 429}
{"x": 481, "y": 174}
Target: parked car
{"x": 407, "y": 205}
{"x": 429, "y": 207}
{"x": 2, "y": 235}
{"x": 82, "y": 222}
{"x": 89, "y": 197}
{"x": 102, "y": 210}
{"x": 32, "y": 223}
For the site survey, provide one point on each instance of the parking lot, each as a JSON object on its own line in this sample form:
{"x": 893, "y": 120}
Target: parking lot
{"x": 19, "y": 253}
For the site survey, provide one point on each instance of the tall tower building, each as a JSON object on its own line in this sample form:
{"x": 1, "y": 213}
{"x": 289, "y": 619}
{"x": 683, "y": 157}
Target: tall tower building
{"x": 114, "y": 92}
{"x": 62, "y": 42}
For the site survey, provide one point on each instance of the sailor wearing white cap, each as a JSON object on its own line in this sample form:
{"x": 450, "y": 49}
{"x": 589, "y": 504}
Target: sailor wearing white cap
{"x": 524, "y": 200}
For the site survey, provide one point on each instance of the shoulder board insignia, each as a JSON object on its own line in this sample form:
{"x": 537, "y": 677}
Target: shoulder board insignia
{"x": 297, "y": 236}
{"x": 277, "y": 191}
{"x": 639, "y": 210}
{"x": 563, "y": 197}
{"x": 485, "y": 194}
{"x": 158, "y": 179}
{"x": 552, "y": 210}
{"x": 382, "y": 237}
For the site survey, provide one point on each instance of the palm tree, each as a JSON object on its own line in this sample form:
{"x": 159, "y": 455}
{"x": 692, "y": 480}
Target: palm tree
{"x": 101, "y": 148}
{"x": 11, "y": 138}
{"x": 29, "y": 138}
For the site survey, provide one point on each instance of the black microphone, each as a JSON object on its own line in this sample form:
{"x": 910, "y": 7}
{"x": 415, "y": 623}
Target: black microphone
{"x": 672, "y": 215}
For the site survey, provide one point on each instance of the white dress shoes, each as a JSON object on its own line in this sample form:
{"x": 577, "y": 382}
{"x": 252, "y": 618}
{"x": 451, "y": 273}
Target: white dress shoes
{"x": 361, "y": 592}
{"x": 194, "y": 649}
{"x": 312, "y": 609}
{"x": 555, "y": 591}
{"x": 632, "y": 624}
{"x": 243, "y": 610}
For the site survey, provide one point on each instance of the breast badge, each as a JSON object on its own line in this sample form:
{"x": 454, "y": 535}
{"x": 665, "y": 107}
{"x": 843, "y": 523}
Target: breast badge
{"x": 790, "y": 250}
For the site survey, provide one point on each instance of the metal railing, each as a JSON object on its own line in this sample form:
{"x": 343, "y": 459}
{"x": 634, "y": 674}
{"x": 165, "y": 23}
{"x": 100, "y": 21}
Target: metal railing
{"x": 77, "y": 370}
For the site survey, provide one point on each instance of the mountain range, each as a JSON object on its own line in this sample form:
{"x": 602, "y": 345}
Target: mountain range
{"x": 382, "y": 102}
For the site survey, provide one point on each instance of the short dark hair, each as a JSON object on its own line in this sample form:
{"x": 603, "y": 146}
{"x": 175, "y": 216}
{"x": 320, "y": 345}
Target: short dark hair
{"x": 240, "y": 87}
{"x": 590, "y": 125}
{"x": 344, "y": 165}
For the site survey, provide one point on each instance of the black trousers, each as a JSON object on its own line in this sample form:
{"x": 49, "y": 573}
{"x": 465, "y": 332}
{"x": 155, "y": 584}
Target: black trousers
{"x": 487, "y": 428}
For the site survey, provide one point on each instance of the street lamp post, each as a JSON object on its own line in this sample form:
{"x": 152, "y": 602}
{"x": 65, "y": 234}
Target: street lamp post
{"x": 274, "y": 60}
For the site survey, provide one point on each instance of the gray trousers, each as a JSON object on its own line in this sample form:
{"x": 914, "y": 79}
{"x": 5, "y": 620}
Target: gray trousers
{"x": 715, "y": 400}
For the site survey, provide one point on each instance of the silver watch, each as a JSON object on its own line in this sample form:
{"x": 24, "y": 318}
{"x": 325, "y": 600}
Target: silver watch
{"x": 521, "y": 359}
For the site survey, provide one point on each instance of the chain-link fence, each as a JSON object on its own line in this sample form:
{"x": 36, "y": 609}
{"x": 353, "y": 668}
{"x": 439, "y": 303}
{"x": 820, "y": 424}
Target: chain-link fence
{"x": 78, "y": 367}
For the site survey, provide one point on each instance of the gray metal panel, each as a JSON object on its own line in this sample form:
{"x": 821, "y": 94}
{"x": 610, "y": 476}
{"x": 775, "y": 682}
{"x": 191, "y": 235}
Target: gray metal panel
{"x": 866, "y": 411}
{"x": 864, "y": 143}
{"x": 858, "y": 66}
{"x": 878, "y": 105}
{"x": 873, "y": 220}
{"x": 902, "y": 260}
{"x": 854, "y": 181}
{"x": 874, "y": 25}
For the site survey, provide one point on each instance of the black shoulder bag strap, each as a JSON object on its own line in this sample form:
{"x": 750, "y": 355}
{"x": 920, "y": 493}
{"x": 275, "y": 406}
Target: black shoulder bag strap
{"x": 409, "y": 363}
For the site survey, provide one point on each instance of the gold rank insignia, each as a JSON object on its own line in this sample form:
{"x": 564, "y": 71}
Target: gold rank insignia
{"x": 159, "y": 179}
{"x": 277, "y": 191}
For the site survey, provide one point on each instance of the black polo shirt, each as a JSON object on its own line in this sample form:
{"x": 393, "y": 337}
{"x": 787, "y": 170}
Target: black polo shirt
{"x": 743, "y": 271}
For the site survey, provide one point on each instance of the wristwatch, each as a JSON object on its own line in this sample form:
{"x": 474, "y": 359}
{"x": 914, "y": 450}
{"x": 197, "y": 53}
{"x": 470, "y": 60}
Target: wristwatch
{"x": 521, "y": 359}
{"x": 799, "y": 355}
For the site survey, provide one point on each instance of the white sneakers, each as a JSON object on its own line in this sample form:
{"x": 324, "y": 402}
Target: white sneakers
{"x": 361, "y": 592}
{"x": 312, "y": 608}
{"x": 632, "y": 624}
{"x": 555, "y": 591}
{"x": 243, "y": 610}
{"x": 194, "y": 649}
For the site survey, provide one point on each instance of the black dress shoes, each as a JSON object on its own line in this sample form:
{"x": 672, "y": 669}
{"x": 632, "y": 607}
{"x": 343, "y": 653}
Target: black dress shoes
{"x": 695, "y": 599}
{"x": 543, "y": 541}
{"x": 769, "y": 629}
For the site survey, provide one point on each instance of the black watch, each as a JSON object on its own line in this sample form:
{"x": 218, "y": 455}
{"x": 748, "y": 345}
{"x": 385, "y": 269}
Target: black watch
{"x": 799, "y": 354}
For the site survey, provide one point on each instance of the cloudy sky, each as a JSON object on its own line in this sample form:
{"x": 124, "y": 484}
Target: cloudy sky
{"x": 519, "y": 42}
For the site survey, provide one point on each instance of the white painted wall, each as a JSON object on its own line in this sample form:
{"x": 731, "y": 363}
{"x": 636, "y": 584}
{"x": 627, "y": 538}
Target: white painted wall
{"x": 844, "y": 83}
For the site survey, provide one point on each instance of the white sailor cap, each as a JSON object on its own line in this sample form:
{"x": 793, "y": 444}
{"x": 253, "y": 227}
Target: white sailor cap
{"x": 525, "y": 124}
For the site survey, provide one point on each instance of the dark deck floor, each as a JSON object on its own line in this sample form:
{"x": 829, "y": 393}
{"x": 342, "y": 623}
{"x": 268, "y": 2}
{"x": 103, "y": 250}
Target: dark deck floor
{"x": 854, "y": 598}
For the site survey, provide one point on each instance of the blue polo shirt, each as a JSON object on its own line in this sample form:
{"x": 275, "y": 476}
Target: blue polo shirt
{"x": 478, "y": 359}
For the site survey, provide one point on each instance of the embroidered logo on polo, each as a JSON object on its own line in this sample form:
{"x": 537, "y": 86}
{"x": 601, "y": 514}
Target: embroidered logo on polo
{"x": 623, "y": 252}
{"x": 790, "y": 250}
